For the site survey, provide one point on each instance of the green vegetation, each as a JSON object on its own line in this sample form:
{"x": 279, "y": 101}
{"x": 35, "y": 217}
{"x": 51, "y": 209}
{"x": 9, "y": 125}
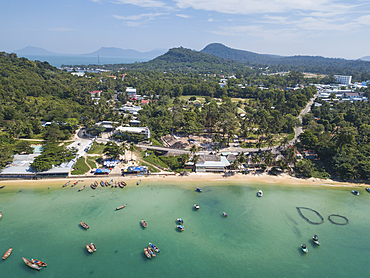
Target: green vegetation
{"x": 150, "y": 167}
{"x": 80, "y": 167}
{"x": 92, "y": 162}
{"x": 153, "y": 159}
{"x": 96, "y": 148}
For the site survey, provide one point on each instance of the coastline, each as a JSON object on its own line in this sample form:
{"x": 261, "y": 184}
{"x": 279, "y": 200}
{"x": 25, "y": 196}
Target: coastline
{"x": 192, "y": 178}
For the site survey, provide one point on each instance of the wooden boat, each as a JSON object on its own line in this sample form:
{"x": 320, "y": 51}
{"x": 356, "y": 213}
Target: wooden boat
{"x": 1, "y": 215}
{"x": 224, "y": 214}
{"x": 259, "y": 193}
{"x": 106, "y": 184}
{"x": 138, "y": 182}
{"x": 83, "y": 224}
{"x": 116, "y": 184}
{"x": 95, "y": 183}
{"x": 304, "y": 248}
{"x": 30, "y": 264}
{"x": 180, "y": 220}
{"x": 39, "y": 263}
{"x": 66, "y": 184}
{"x": 121, "y": 185}
{"x": 196, "y": 206}
{"x": 181, "y": 227}
{"x": 355, "y": 192}
{"x": 198, "y": 189}
{"x": 93, "y": 247}
{"x": 93, "y": 186}
{"x": 144, "y": 223}
{"x": 102, "y": 183}
{"x": 7, "y": 253}
{"x": 82, "y": 188}
{"x": 155, "y": 248}
{"x": 89, "y": 249}
{"x": 151, "y": 251}
{"x": 1, "y": 187}
{"x": 367, "y": 189}
{"x": 74, "y": 183}
{"x": 110, "y": 182}
{"x": 146, "y": 252}
{"x": 121, "y": 207}
{"x": 315, "y": 239}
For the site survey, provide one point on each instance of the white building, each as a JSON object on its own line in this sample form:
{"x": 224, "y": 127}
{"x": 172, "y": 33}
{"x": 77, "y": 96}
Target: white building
{"x": 343, "y": 79}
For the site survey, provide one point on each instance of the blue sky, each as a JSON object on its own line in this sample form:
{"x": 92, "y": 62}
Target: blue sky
{"x": 285, "y": 27}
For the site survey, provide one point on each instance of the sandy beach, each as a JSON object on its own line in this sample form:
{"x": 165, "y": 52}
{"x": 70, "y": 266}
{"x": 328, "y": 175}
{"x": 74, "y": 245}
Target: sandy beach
{"x": 190, "y": 179}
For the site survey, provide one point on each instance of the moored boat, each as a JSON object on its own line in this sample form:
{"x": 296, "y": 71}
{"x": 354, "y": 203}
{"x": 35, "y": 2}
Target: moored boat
{"x": 151, "y": 251}
{"x": 121, "y": 207}
{"x": 1, "y": 187}
{"x": 110, "y": 182}
{"x": 82, "y": 188}
{"x": 1, "y": 215}
{"x": 120, "y": 185}
{"x": 84, "y": 225}
{"x": 7, "y": 253}
{"x": 224, "y": 214}
{"x": 39, "y": 263}
{"x": 102, "y": 183}
{"x": 315, "y": 239}
{"x": 89, "y": 249}
{"x": 304, "y": 248}
{"x": 123, "y": 183}
{"x": 367, "y": 189}
{"x": 259, "y": 193}
{"x": 155, "y": 248}
{"x": 93, "y": 186}
{"x": 93, "y": 247}
{"x": 355, "y": 192}
{"x": 106, "y": 184}
{"x": 74, "y": 183}
{"x": 180, "y": 220}
{"x": 144, "y": 223}
{"x": 198, "y": 189}
{"x": 30, "y": 264}
{"x": 196, "y": 206}
{"x": 95, "y": 183}
{"x": 146, "y": 252}
{"x": 138, "y": 182}
{"x": 66, "y": 184}
{"x": 181, "y": 228}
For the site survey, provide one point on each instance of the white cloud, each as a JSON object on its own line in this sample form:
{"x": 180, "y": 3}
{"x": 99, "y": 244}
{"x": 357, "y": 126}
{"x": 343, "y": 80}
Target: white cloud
{"x": 183, "y": 15}
{"x": 210, "y": 20}
{"x": 149, "y": 16}
{"x": 142, "y": 3}
{"x": 364, "y": 20}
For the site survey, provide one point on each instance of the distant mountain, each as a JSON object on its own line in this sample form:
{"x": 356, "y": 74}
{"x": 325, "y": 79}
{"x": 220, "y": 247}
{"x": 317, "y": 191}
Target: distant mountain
{"x": 128, "y": 53}
{"x": 183, "y": 59}
{"x": 365, "y": 58}
{"x": 316, "y": 64}
{"x": 32, "y": 50}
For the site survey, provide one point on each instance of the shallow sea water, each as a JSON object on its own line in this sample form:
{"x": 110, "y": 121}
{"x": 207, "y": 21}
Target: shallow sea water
{"x": 261, "y": 237}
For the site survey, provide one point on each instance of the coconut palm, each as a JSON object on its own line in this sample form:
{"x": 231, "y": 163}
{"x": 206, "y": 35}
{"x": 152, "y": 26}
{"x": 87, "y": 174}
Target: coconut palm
{"x": 195, "y": 161}
{"x": 193, "y": 149}
{"x": 132, "y": 148}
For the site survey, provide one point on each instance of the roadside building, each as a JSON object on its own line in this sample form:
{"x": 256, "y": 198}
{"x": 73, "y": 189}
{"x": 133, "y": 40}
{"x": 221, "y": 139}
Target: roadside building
{"x": 211, "y": 163}
{"x": 343, "y": 79}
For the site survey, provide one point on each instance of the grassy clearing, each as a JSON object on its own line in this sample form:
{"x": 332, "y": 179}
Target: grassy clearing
{"x": 80, "y": 167}
{"x": 96, "y": 148}
{"x": 150, "y": 167}
{"x": 91, "y": 162}
{"x": 156, "y": 143}
{"x": 153, "y": 159}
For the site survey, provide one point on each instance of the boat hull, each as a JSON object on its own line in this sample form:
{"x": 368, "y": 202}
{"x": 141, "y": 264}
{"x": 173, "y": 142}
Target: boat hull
{"x": 7, "y": 253}
{"x": 30, "y": 264}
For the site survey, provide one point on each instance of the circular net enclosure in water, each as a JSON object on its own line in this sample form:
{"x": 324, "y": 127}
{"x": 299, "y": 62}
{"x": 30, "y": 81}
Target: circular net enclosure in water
{"x": 331, "y": 216}
{"x": 299, "y": 209}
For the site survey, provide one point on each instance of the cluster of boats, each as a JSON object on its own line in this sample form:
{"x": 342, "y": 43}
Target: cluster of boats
{"x": 315, "y": 240}
{"x": 111, "y": 184}
{"x": 151, "y": 251}
{"x": 91, "y": 247}
{"x": 180, "y": 227}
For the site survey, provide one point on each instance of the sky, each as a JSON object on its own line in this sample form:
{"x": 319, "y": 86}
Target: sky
{"x": 328, "y": 28}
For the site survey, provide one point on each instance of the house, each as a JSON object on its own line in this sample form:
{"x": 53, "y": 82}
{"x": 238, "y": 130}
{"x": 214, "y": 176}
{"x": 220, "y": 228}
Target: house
{"x": 144, "y": 101}
{"x": 211, "y": 163}
{"x": 309, "y": 154}
{"x": 128, "y": 129}
{"x": 95, "y": 93}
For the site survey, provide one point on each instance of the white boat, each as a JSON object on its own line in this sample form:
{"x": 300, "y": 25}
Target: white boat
{"x": 259, "y": 193}
{"x": 304, "y": 248}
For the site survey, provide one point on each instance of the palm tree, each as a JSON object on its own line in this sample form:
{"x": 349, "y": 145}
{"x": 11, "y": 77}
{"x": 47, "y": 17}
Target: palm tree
{"x": 193, "y": 149}
{"x": 195, "y": 161}
{"x": 256, "y": 159}
{"x": 268, "y": 157}
{"x": 241, "y": 158}
{"x": 132, "y": 148}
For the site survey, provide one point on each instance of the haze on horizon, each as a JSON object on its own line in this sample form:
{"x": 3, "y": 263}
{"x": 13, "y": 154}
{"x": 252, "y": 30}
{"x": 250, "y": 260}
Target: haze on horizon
{"x": 326, "y": 28}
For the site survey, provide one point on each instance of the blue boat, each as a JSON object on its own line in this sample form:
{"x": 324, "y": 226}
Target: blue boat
{"x": 198, "y": 189}
{"x": 181, "y": 227}
{"x": 180, "y": 220}
{"x": 355, "y": 192}
{"x": 155, "y": 248}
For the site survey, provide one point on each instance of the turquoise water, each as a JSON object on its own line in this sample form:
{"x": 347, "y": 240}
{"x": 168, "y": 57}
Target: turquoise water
{"x": 261, "y": 237}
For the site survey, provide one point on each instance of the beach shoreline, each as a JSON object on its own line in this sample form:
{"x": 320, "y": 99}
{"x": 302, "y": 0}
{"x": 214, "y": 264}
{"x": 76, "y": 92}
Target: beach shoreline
{"x": 190, "y": 179}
